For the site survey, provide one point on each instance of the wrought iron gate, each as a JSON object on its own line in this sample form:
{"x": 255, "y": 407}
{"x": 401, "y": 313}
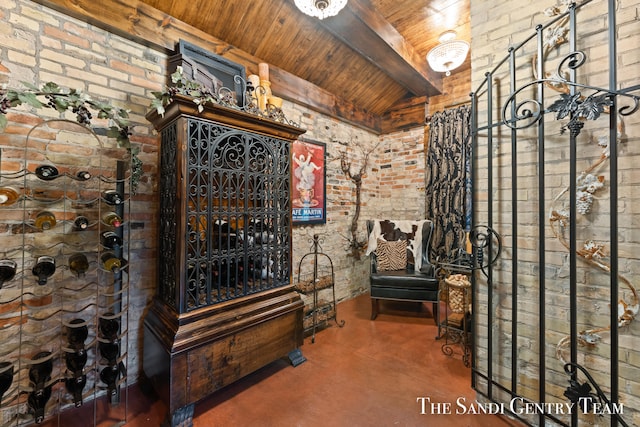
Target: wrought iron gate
{"x": 554, "y": 332}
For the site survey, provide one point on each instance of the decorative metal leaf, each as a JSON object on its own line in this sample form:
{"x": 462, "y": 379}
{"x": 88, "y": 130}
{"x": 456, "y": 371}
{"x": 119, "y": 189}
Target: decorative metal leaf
{"x": 566, "y": 105}
{"x": 576, "y": 391}
{"x": 592, "y": 107}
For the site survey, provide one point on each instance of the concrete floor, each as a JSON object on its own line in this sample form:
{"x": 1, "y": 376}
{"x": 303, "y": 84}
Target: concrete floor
{"x": 368, "y": 373}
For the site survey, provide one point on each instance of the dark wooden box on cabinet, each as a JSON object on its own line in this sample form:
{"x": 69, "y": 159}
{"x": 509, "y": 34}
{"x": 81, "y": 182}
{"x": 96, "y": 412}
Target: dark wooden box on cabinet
{"x": 225, "y": 304}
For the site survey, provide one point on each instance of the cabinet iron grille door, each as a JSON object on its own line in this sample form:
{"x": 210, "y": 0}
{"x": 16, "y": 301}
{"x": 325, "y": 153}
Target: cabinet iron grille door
{"x": 168, "y": 216}
{"x": 237, "y": 213}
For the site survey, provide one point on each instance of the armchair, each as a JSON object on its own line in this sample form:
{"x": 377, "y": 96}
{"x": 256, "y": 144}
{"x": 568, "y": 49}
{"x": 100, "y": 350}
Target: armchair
{"x": 411, "y": 280}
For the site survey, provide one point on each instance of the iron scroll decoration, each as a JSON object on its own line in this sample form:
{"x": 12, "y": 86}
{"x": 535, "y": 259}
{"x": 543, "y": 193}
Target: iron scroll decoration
{"x": 223, "y": 96}
{"x": 487, "y": 246}
{"x": 582, "y": 395}
{"x": 571, "y": 108}
{"x": 578, "y": 103}
{"x": 575, "y": 106}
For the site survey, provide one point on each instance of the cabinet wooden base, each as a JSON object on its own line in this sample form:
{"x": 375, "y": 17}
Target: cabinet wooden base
{"x": 190, "y": 356}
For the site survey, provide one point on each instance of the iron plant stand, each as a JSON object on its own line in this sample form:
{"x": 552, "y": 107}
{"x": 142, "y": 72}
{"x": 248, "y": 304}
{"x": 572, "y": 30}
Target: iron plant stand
{"x": 312, "y": 283}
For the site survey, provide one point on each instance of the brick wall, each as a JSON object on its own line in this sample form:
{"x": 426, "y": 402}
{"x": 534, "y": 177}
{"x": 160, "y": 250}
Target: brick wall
{"x": 392, "y": 187}
{"x": 496, "y": 27}
{"x": 38, "y": 45}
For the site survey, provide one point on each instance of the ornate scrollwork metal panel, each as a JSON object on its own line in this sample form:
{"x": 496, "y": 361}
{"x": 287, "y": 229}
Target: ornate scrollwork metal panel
{"x": 168, "y": 215}
{"x": 237, "y": 214}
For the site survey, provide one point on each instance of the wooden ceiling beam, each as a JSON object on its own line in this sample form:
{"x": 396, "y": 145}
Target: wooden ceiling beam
{"x": 361, "y": 27}
{"x": 407, "y": 114}
{"x": 287, "y": 86}
{"x": 144, "y": 24}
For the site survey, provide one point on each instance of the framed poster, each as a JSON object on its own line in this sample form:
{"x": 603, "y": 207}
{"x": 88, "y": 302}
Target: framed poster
{"x": 309, "y": 183}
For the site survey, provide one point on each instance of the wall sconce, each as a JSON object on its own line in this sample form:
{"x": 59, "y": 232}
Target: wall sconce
{"x": 321, "y": 8}
{"x": 449, "y": 54}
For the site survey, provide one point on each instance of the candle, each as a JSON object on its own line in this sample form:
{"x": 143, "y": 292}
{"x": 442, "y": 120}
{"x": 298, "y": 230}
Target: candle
{"x": 255, "y": 80}
{"x": 264, "y": 95}
{"x": 263, "y": 71}
{"x": 275, "y": 101}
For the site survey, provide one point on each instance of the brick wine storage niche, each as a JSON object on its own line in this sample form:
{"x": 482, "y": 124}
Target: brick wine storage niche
{"x": 225, "y": 304}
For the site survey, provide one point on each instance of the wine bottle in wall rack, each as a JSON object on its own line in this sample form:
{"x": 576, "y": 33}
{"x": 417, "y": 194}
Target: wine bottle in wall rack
{"x": 75, "y": 386}
{"x": 6, "y": 378}
{"x": 47, "y": 172}
{"x": 7, "y": 270}
{"x": 110, "y": 240}
{"x": 112, "y": 197}
{"x": 78, "y": 263}
{"x": 40, "y": 373}
{"x": 76, "y": 361}
{"x": 108, "y": 326}
{"x": 110, "y": 261}
{"x": 45, "y": 220}
{"x": 112, "y": 219}
{"x": 83, "y": 175}
{"x": 8, "y": 196}
{"x": 81, "y": 223}
{"x": 109, "y": 375}
{"x": 110, "y": 352}
{"x": 44, "y": 268}
{"x": 77, "y": 333}
{"x": 37, "y": 402}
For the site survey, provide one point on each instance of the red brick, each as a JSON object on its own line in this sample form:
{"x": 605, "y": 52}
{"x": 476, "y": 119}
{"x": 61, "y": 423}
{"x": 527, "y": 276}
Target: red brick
{"x": 85, "y": 33}
{"x": 18, "y": 117}
{"x": 64, "y": 36}
{"x": 127, "y": 68}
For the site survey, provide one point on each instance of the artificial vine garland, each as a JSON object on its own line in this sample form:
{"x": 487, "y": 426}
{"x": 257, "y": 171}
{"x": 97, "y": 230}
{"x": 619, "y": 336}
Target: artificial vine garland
{"x": 81, "y": 105}
{"x": 223, "y": 96}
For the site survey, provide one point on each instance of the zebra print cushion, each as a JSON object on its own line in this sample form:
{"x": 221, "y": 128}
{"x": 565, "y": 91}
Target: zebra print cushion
{"x": 391, "y": 255}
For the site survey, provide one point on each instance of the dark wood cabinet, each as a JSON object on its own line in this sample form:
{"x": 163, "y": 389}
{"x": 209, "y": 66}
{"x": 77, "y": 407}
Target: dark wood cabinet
{"x": 225, "y": 303}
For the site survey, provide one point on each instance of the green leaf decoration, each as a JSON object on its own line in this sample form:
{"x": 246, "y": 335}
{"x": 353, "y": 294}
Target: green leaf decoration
{"x": 51, "y": 87}
{"x": 30, "y": 98}
{"x": 61, "y": 104}
{"x": 80, "y": 104}
{"x": 113, "y": 132}
{"x": 30, "y": 86}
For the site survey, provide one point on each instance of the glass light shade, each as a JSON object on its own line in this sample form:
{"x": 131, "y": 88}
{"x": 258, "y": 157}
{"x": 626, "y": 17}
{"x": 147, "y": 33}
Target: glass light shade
{"x": 321, "y": 8}
{"x": 448, "y": 55}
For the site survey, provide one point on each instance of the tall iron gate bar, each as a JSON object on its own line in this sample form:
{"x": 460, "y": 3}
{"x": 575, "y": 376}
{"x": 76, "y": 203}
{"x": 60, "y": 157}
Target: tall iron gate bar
{"x": 541, "y": 223}
{"x": 565, "y": 96}
{"x": 613, "y": 201}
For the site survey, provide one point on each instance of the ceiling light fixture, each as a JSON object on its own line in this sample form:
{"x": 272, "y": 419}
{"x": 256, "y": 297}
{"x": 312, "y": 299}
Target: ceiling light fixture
{"x": 321, "y": 8}
{"x": 449, "y": 54}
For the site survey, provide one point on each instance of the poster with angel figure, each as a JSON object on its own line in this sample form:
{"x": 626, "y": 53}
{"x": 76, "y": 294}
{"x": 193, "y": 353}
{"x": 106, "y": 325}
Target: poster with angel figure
{"x": 308, "y": 187}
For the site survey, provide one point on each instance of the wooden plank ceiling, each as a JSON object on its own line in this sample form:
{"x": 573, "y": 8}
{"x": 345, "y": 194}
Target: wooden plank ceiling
{"x": 364, "y": 64}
